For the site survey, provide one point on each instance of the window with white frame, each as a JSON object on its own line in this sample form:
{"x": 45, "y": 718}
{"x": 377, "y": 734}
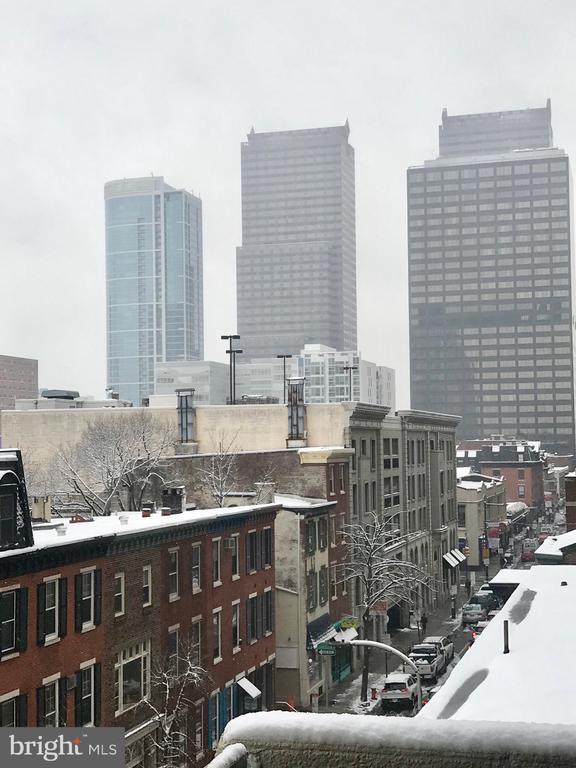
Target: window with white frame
{"x": 217, "y": 634}
{"x": 50, "y": 702}
{"x": 236, "y": 624}
{"x": 333, "y": 582}
{"x": 172, "y": 574}
{"x": 13, "y": 621}
{"x": 214, "y": 720}
{"x": 146, "y": 585}
{"x": 230, "y": 710}
{"x": 196, "y": 642}
{"x": 85, "y": 692}
{"x": 172, "y": 652}
{"x": 132, "y": 676}
{"x": 87, "y": 598}
{"x": 267, "y": 547}
{"x": 13, "y": 710}
{"x": 119, "y": 599}
{"x": 216, "y": 561}
{"x": 199, "y": 729}
{"x": 268, "y": 611}
{"x": 332, "y": 530}
{"x": 196, "y": 567}
{"x": 235, "y": 556}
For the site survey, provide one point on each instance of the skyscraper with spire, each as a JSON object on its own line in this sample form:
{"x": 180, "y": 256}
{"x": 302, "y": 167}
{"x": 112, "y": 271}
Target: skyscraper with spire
{"x": 296, "y": 267}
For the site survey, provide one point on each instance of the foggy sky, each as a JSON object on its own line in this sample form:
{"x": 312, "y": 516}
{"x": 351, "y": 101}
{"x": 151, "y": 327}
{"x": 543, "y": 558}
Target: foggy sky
{"x": 93, "y": 91}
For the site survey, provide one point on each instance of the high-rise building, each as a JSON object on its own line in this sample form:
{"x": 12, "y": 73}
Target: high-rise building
{"x": 490, "y": 278}
{"x": 153, "y": 279}
{"x": 18, "y": 378}
{"x": 296, "y": 268}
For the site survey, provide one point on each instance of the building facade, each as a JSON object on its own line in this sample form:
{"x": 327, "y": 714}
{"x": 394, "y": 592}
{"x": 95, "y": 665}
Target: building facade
{"x": 18, "y": 379}
{"x": 209, "y": 379}
{"x": 490, "y": 278}
{"x": 481, "y": 514}
{"x": 153, "y": 281}
{"x": 296, "y": 267}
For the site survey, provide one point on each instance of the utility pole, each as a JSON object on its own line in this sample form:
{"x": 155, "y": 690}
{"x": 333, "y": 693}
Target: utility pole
{"x": 350, "y": 368}
{"x": 232, "y": 352}
{"x": 284, "y": 357}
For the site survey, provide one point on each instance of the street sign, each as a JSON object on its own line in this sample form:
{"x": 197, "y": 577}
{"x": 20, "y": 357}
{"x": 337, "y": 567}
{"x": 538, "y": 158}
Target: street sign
{"x": 326, "y": 649}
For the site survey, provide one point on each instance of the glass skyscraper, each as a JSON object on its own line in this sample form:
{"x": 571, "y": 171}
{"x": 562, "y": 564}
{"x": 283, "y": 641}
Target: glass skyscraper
{"x": 296, "y": 268}
{"x": 153, "y": 281}
{"x": 489, "y": 232}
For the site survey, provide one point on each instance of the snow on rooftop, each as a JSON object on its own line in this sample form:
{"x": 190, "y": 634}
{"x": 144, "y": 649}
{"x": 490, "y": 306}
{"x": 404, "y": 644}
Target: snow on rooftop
{"x": 123, "y": 524}
{"x": 510, "y": 576}
{"x": 300, "y": 502}
{"x": 463, "y": 471}
{"x": 531, "y": 683}
{"x": 553, "y": 545}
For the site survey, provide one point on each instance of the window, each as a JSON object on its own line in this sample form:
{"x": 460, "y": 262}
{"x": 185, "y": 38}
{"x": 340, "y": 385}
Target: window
{"x": 521, "y": 474}
{"x": 216, "y": 562}
{"x": 322, "y": 533}
{"x": 51, "y": 599}
{"x": 333, "y": 582}
{"x": 268, "y": 617}
{"x": 87, "y": 693}
{"x": 235, "y": 556}
{"x": 7, "y": 519}
{"x": 14, "y": 711}
{"x": 354, "y": 455}
{"x": 323, "y": 585}
{"x": 118, "y": 594}
{"x": 311, "y": 537}
{"x": 230, "y": 713}
{"x": 13, "y": 621}
{"x": 521, "y": 491}
{"x": 199, "y": 729}
{"x": 51, "y": 704}
{"x": 172, "y": 574}
{"x": 311, "y": 591}
{"x": 363, "y": 447}
{"x": 196, "y": 642}
{"x": 267, "y": 547}
{"x": 342, "y": 478}
{"x": 372, "y": 454}
{"x": 461, "y": 515}
{"x": 88, "y": 597}
{"x": 236, "y": 625}
{"x": 331, "y": 480}
{"x": 146, "y": 585}
{"x": 252, "y": 618}
{"x": 374, "y": 496}
{"x": 217, "y": 635}
{"x": 214, "y": 720}
{"x": 251, "y": 552}
{"x": 196, "y": 568}
{"x": 366, "y": 497}
{"x": 172, "y": 651}
{"x": 132, "y": 676}
{"x": 332, "y": 530}
{"x": 354, "y": 499}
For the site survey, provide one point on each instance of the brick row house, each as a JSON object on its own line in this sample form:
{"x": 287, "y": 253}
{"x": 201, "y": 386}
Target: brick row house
{"x": 92, "y": 612}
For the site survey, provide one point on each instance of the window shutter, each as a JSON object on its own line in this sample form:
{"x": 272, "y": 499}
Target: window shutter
{"x": 97, "y": 693}
{"x": 40, "y": 613}
{"x": 62, "y": 701}
{"x": 209, "y": 723}
{"x": 97, "y": 596}
{"x": 223, "y": 719}
{"x": 22, "y": 710}
{"x": 258, "y": 550}
{"x": 62, "y": 607}
{"x": 22, "y": 627}
{"x": 260, "y": 613}
{"x": 40, "y": 710}
{"x": 78, "y": 602}
{"x": 78, "y": 700}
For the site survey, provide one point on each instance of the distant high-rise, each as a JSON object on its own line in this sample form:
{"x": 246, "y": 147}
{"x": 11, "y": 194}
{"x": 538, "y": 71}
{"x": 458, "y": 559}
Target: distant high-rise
{"x": 18, "y": 379}
{"x": 153, "y": 279}
{"x": 296, "y": 268}
{"x": 490, "y": 278}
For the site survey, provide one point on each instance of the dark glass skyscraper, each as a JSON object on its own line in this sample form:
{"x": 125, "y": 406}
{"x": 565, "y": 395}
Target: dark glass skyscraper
{"x": 153, "y": 280}
{"x": 296, "y": 268}
{"x": 489, "y": 231}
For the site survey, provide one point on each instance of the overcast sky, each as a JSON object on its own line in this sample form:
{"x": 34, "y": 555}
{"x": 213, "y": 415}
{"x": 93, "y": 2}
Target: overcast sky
{"x": 92, "y": 91}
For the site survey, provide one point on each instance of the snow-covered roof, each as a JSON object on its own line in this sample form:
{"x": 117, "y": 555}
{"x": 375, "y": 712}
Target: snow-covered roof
{"x": 510, "y": 576}
{"x": 528, "y": 684}
{"x": 463, "y": 471}
{"x": 553, "y": 545}
{"x": 301, "y": 502}
{"x": 125, "y": 524}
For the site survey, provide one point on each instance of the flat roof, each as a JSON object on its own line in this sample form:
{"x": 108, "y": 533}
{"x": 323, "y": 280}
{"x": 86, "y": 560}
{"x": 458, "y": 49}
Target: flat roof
{"x": 553, "y": 546}
{"x": 531, "y": 684}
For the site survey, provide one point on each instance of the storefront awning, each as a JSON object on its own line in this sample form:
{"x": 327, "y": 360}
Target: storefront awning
{"x": 345, "y": 634}
{"x": 453, "y": 558}
{"x": 320, "y": 631}
{"x": 249, "y": 687}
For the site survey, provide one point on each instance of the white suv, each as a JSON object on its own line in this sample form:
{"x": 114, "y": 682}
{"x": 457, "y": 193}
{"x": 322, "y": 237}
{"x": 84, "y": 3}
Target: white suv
{"x": 444, "y": 645}
{"x": 399, "y": 688}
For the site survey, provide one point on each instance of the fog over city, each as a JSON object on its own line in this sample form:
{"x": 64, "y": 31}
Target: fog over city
{"x": 100, "y": 91}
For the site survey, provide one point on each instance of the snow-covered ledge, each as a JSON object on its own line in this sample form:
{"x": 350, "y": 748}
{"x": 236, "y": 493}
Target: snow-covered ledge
{"x": 294, "y": 739}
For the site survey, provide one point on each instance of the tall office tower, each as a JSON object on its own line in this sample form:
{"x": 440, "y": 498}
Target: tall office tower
{"x": 296, "y": 268}
{"x": 153, "y": 280}
{"x": 490, "y": 278}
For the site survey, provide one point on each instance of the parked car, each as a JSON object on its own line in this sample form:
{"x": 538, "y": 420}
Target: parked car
{"x": 478, "y": 629}
{"x": 488, "y": 599}
{"x": 473, "y": 612}
{"x": 399, "y": 688}
{"x": 443, "y": 644}
{"x": 429, "y": 660}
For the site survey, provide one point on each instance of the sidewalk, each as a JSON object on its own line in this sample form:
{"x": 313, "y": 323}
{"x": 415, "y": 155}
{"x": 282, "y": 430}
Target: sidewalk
{"x": 345, "y": 696}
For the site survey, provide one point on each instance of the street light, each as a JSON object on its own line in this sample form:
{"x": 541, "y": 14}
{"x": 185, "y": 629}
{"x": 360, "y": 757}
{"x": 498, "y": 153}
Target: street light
{"x": 232, "y": 352}
{"x": 390, "y": 649}
{"x": 284, "y": 357}
{"x": 350, "y": 368}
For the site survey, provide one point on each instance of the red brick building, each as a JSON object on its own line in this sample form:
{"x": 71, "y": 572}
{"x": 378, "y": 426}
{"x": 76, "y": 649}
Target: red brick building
{"x": 91, "y": 612}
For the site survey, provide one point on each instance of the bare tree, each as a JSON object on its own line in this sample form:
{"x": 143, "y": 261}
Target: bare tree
{"x": 116, "y": 459}
{"x": 175, "y": 682}
{"x": 218, "y": 475}
{"x": 382, "y": 577}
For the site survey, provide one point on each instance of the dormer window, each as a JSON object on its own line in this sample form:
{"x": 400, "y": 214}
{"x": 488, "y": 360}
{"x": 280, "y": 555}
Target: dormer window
{"x": 8, "y": 517}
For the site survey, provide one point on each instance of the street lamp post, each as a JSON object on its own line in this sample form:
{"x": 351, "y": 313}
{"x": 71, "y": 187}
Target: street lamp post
{"x": 350, "y": 368}
{"x": 391, "y": 649}
{"x": 232, "y": 352}
{"x": 284, "y": 357}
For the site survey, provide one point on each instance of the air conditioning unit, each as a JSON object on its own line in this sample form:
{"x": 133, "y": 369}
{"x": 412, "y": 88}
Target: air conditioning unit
{"x": 229, "y": 544}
